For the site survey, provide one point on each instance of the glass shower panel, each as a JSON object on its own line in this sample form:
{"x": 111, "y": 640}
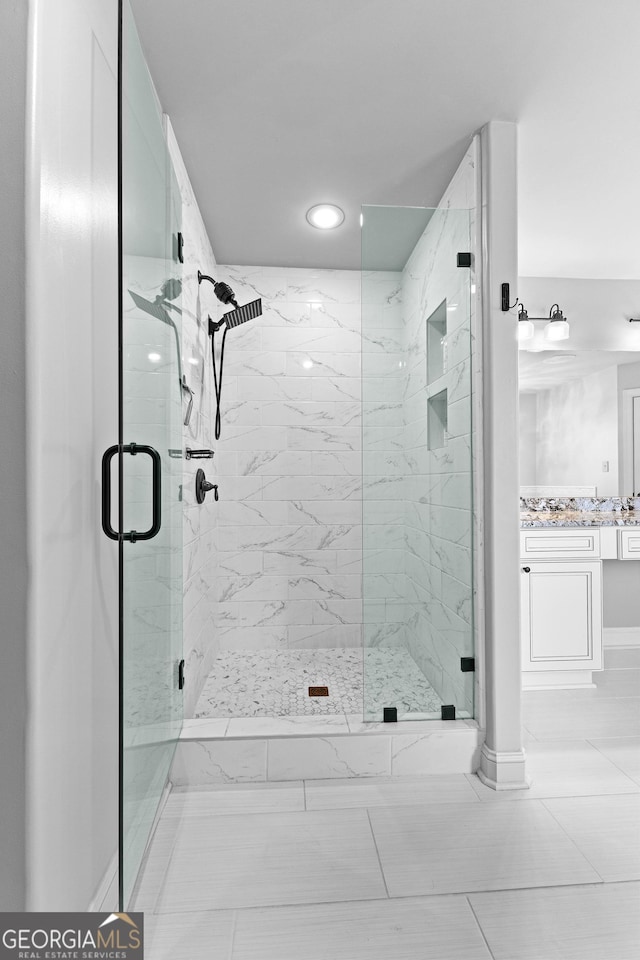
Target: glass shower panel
{"x": 151, "y": 416}
{"x": 417, "y": 465}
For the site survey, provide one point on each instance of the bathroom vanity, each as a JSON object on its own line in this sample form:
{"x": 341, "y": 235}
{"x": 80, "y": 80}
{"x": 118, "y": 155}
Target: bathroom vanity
{"x": 563, "y": 543}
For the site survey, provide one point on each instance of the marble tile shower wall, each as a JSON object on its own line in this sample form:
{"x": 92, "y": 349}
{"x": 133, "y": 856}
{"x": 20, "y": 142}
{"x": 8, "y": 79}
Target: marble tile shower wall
{"x": 438, "y": 495}
{"x": 289, "y": 463}
{"x": 200, "y": 523}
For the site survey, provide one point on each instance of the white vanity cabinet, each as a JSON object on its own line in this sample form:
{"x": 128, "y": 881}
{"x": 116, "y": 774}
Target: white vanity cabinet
{"x": 561, "y": 606}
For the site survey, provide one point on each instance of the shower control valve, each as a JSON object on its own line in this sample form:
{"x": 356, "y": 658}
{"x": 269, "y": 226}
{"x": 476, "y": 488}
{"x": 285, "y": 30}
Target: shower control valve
{"x": 203, "y": 487}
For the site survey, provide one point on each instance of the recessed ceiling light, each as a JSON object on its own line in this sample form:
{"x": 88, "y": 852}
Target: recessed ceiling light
{"x": 560, "y": 358}
{"x": 325, "y": 216}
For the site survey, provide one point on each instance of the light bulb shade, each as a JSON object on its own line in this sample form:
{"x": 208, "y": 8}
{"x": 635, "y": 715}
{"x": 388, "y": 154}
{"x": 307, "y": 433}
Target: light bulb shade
{"x": 526, "y": 330}
{"x": 557, "y": 330}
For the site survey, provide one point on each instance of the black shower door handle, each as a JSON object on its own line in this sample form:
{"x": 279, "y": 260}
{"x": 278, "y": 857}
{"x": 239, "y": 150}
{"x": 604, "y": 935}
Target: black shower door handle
{"x": 156, "y": 519}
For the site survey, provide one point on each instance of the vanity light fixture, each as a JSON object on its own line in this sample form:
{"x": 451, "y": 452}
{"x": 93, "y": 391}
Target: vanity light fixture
{"x": 325, "y": 216}
{"x": 526, "y": 329}
{"x": 558, "y": 325}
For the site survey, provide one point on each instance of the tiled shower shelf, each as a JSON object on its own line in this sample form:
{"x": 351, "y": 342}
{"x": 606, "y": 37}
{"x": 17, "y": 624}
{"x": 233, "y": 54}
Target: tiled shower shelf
{"x": 261, "y": 749}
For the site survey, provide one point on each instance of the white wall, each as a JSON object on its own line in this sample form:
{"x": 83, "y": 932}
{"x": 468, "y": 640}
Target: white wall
{"x": 200, "y": 522}
{"x": 438, "y": 484}
{"x": 13, "y": 502}
{"x": 528, "y": 439}
{"x": 72, "y": 417}
{"x": 577, "y": 430}
{"x": 288, "y": 462}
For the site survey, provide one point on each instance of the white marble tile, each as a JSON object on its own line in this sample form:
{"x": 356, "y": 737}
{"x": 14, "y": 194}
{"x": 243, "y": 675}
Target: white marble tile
{"x": 606, "y": 830}
{"x": 305, "y": 725}
{"x": 474, "y": 846}
{"x": 198, "y": 935}
{"x": 206, "y": 728}
{"x": 315, "y": 758}
{"x": 218, "y": 761}
{"x": 388, "y": 791}
{"x": 272, "y": 859}
{"x": 448, "y": 751}
{"x": 441, "y": 928}
{"x": 563, "y": 923}
{"x": 234, "y": 798}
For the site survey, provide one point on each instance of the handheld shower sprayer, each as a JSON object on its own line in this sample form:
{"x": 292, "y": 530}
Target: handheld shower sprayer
{"x": 233, "y": 318}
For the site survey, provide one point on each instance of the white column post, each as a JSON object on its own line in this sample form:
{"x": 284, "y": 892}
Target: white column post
{"x": 502, "y": 762}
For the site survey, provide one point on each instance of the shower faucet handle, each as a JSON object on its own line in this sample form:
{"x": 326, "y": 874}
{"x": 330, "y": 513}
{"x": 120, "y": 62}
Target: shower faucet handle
{"x": 203, "y": 487}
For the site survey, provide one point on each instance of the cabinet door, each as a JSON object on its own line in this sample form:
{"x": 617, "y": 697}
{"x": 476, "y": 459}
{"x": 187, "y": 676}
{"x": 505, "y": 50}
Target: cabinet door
{"x": 561, "y": 615}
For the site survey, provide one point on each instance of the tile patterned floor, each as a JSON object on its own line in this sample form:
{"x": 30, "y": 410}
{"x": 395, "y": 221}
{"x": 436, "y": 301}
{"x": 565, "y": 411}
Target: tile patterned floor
{"x": 415, "y": 868}
{"x": 275, "y": 683}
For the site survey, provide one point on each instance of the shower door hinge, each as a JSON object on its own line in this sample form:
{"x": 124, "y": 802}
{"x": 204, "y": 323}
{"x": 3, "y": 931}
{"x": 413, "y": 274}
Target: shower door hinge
{"x": 448, "y": 712}
{"x": 181, "y": 675}
{"x": 467, "y": 664}
{"x": 464, "y": 259}
{"x": 180, "y": 248}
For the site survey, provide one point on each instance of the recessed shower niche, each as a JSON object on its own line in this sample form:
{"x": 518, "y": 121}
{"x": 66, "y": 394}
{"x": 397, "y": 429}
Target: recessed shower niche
{"x": 437, "y": 420}
{"x": 437, "y": 343}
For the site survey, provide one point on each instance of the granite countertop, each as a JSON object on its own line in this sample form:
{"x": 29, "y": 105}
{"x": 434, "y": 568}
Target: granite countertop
{"x": 579, "y": 512}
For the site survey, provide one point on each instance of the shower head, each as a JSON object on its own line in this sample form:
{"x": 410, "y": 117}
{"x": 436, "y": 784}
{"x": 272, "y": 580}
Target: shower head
{"x": 248, "y": 311}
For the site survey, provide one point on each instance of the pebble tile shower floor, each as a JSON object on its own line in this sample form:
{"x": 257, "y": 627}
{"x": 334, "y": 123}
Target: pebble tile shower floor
{"x": 275, "y": 683}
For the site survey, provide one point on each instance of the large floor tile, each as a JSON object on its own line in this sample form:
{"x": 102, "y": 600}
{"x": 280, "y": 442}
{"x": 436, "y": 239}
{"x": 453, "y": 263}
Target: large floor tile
{"x": 437, "y": 928}
{"x": 189, "y": 936}
{"x": 265, "y": 859}
{"x": 461, "y": 847}
{"x": 559, "y": 768}
{"x": 388, "y": 791}
{"x": 548, "y": 715}
{"x": 564, "y": 923}
{"x": 606, "y": 830}
{"x": 624, "y": 752}
{"x": 618, "y": 683}
{"x": 235, "y": 798}
{"x": 621, "y": 658}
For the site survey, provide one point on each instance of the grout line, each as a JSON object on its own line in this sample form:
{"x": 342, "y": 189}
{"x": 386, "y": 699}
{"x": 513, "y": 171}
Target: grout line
{"x": 304, "y": 793}
{"x": 475, "y": 917}
{"x": 232, "y": 942}
{"x": 566, "y": 833}
{"x": 373, "y": 837}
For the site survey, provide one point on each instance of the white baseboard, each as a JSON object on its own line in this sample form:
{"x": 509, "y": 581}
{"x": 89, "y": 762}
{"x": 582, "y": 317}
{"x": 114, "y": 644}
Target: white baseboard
{"x": 502, "y": 770}
{"x": 621, "y": 637}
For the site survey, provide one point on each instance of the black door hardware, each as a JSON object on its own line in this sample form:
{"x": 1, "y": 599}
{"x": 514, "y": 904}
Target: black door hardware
{"x": 203, "y": 487}
{"x": 133, "y": 449}
{"x": 181, "y": 675}
{"x": 526, "y": 569}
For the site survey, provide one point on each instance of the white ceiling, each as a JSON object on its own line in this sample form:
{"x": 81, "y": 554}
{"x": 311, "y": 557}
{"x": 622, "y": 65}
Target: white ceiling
{"x": 280, "y": 104}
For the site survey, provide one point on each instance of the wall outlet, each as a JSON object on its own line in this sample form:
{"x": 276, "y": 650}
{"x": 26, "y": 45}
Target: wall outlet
{"x": 605, "y": 466}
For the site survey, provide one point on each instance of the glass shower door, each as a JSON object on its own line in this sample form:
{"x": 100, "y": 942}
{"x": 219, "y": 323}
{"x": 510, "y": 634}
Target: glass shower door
{"x": 417, "y": 463}
{"x": 151, "y": 406}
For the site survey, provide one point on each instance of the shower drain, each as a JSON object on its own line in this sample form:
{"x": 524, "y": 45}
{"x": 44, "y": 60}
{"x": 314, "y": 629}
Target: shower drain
{"x": 318, "y": 691}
